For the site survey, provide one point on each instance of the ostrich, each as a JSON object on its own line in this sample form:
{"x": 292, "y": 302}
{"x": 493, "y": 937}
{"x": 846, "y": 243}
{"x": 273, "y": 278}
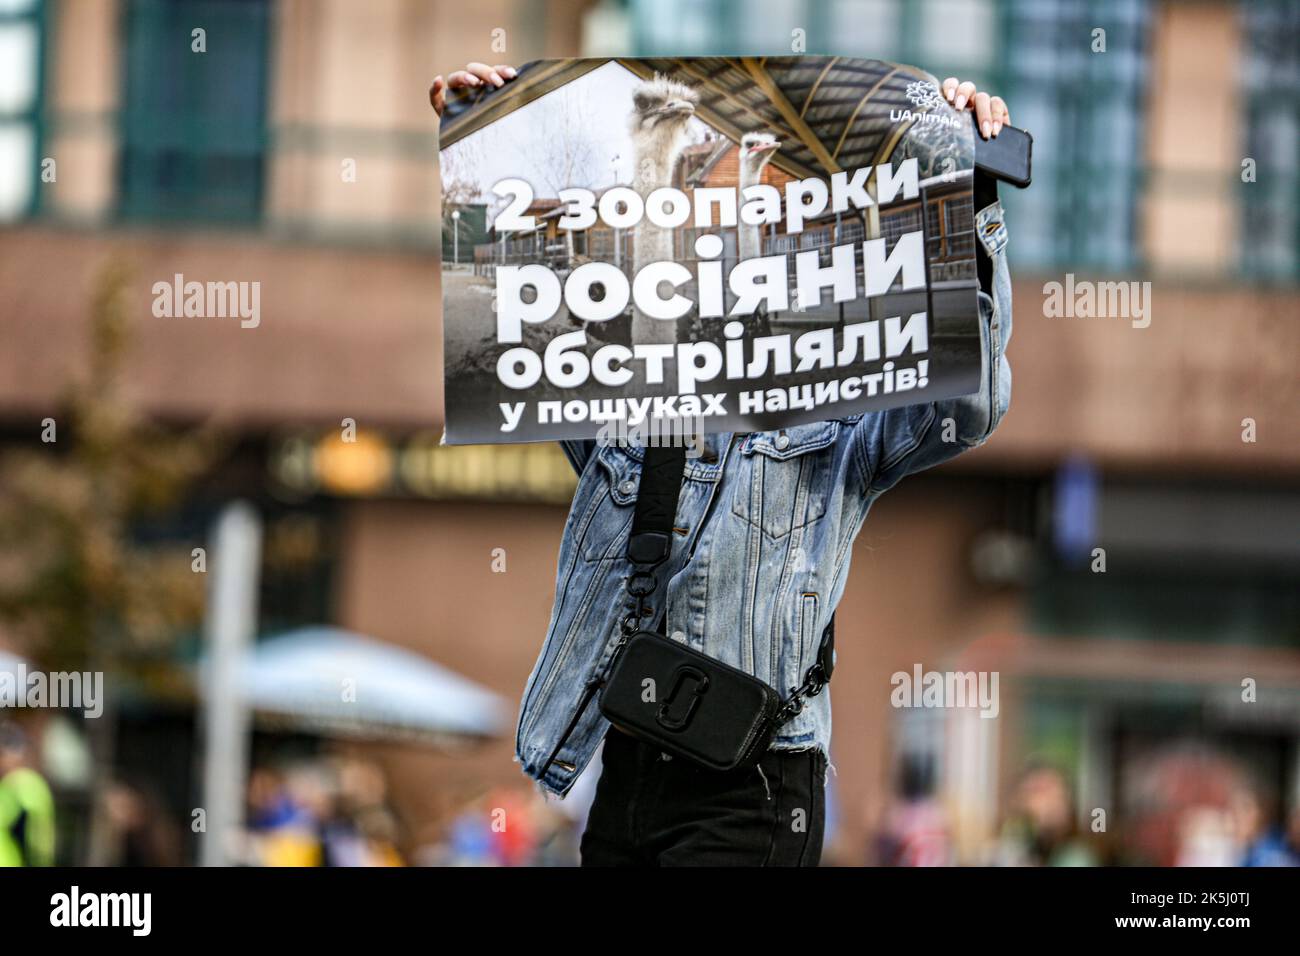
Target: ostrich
{"x": 661, "y": 110}
{"x": 756, "y": 151}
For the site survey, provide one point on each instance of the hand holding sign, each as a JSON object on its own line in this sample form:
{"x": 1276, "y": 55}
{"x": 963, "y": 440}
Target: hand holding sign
{"x": 474, "y": 74}
{"x": 990, "y": 111}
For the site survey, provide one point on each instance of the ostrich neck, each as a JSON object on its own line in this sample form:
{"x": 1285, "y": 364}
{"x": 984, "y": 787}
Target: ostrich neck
{"x": 654, "y": 167}
{"x": 655, "y": 162}
{"x": 747, "y": 236}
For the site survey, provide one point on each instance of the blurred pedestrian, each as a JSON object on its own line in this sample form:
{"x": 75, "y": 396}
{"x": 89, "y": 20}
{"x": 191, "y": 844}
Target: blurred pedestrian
{"x": 1042, "y": 829}
{"x": 1262, "y": 843}
{"x": 144, "y": 832}
{"x": 26, "y": 804}
{"x": 914, "y": 831}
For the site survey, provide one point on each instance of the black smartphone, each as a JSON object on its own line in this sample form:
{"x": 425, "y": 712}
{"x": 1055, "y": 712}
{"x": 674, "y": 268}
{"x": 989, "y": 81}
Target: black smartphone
{"x": 1006, "y": 157}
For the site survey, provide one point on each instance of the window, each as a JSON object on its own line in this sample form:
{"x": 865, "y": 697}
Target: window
{"x": 897, "y": 222}
{"x": 951, "y": 229}
{"x": 1270, "y": 224}
{"x": 957, "y": 37}
{"x": 20, "y": 99}
{"x": 850, "y": 22}
{"x": 726, "y": 27}
{"x": 1085, "y": 111}
{"x": 194, "y": 123}
{"x": 683, "y": 27}
{"x": 950, "y": 36}
{"x": 946, "y": 37}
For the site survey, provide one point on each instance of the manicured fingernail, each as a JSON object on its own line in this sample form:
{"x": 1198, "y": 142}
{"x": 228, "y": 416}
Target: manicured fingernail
{"x": 986, "y": 128}
{"x": 510, "y": 72}
{"x": 997, "y": 127}
{"x": 961, "y": 101}
{"x": 496, "y": 80}
{"x": 473, "y": 80}
{"x": 948, "y": 93}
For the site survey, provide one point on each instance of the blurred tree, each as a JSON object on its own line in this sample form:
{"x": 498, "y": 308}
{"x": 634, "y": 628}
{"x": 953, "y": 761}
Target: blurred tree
{"x": 76, "y": 591}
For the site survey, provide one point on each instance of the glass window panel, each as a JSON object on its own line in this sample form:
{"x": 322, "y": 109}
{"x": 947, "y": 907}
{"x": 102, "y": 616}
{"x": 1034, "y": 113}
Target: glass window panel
{"x": 957, "y": 32}
{"x": 1270, "y": 74}
{"x": 681, "y": 27}
{"x": 1081, "y": 108}
{"x": 18, "y": 55}
{"x": 764, "y": 25}
{"x": 194, "y": 125}
{"x": 17, "y": 143}
{"x": 867, "y": 28}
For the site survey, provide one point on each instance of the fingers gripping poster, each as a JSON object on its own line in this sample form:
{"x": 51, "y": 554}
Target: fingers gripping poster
{"x": 703, "y": 245}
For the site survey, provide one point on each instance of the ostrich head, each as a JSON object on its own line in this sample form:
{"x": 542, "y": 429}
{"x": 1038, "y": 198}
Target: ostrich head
{"x": 661, "y": 109}
{"x": 756, "y": 150}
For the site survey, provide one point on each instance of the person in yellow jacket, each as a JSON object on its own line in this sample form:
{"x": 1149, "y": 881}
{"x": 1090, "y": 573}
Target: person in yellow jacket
{"x": 26, "y": 805}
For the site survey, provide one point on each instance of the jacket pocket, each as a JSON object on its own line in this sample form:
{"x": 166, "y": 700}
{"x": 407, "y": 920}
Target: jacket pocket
{"x": 606, "y": 538}
{"x": 808, "y": 634}
{"x": 618, "y": 469}
{"x": 782, "y": 481}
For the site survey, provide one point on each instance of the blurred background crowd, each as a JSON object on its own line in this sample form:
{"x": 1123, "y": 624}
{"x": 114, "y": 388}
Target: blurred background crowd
{"x": 1124, "y": 553}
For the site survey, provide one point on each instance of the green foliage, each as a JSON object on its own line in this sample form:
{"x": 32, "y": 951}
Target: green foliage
{"x": 74, "y": 587}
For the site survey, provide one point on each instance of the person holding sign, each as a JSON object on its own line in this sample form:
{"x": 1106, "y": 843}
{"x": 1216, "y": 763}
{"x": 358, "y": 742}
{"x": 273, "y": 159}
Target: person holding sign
{"x": 709, "y": 657}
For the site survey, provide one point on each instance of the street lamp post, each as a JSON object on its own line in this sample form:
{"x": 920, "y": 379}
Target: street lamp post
{"x": 455, "y": 236}
{"x": 229, "y": 629}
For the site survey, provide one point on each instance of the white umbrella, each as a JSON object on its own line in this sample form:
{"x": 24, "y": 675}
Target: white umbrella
{"x": 335, "y": 682}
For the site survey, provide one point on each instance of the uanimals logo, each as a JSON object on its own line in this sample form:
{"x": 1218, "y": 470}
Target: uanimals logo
{"x": 924, "y": 97}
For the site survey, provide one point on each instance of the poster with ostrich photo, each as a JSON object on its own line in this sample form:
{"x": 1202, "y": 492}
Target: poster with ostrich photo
{"x": 703, "y": 245}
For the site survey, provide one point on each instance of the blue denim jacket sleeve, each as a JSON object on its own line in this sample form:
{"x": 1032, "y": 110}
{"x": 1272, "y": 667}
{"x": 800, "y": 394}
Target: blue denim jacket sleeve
{"x": 901, "y": 441}
{"x": 579, "y": 452}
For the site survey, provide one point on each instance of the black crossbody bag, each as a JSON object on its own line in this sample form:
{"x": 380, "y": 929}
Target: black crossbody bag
{"x": 664, "y": 693}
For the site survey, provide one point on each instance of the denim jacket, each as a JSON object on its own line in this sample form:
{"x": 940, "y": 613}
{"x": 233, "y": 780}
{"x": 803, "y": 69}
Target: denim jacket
{"x": 763, "y": 537}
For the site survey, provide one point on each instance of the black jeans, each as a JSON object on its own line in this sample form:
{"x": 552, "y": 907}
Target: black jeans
{"x": 652, "y": 811}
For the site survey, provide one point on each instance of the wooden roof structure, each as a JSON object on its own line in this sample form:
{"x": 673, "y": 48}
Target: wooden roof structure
{"x": 816, "y": 105}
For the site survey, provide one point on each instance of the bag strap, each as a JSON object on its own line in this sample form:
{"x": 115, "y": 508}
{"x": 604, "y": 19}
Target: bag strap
{"x": 660, "y": 486}
{"x": 815, "y": 678}
{"x": 650, "y": 541}
{"x": 649, "y": 544}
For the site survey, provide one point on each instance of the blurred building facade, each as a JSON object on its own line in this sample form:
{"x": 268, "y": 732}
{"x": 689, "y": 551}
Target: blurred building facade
{"x": 298, "y": 150}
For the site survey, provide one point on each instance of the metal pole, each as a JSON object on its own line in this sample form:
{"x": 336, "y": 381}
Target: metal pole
{"x": 925, "y": 246}
{"x": 231, "y": 621}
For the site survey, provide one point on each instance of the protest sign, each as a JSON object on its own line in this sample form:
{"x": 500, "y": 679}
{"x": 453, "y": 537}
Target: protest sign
{"x": 710, "y": 244}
